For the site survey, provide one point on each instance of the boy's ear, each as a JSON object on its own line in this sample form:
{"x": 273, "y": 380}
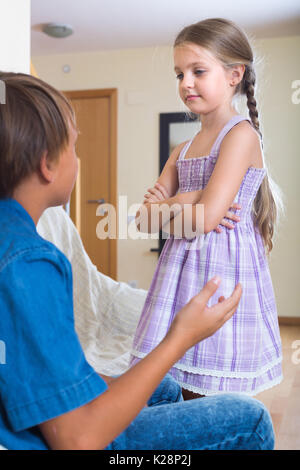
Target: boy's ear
{"x": 47, "y": 168}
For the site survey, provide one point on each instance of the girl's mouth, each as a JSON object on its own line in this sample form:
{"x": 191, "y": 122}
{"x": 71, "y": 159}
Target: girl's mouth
{"x": 192, "y": 97}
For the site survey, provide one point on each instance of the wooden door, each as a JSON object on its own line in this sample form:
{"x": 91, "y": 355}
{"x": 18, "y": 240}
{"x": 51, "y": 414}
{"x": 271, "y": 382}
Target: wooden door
{"x": 97, "y": 177}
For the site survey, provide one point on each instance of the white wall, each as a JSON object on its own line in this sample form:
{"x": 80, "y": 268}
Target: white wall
{"x": 15, "y": 36}
{"x": 148, "y": 74}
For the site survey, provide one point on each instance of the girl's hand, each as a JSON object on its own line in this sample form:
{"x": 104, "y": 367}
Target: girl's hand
{"x": 195, "y": 321}
{"x": 156, "y": 194}
{"x": 231, "y": 216}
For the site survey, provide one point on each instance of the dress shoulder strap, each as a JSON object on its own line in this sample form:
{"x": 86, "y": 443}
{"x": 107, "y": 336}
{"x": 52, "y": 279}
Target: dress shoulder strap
{"x": 185, "y": 149}
{"x": 228, "y": 126}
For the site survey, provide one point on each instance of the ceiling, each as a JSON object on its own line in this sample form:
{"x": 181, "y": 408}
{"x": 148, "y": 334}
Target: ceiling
{"x": 119, "y": 24}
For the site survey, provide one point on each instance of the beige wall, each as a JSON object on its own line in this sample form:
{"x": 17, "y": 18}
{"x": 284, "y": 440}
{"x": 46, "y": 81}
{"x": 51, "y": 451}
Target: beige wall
{"x": 146, "y": 86}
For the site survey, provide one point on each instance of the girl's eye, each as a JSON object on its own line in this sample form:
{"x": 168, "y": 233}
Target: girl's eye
{"x": 179, "y": 76}
{"x": 198, "y": 72}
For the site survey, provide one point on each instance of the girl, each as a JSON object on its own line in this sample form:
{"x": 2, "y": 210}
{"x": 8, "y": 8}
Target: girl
{"x": 222, "y": 163}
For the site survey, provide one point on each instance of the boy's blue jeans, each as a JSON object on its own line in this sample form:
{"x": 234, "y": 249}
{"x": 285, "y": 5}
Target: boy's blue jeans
{"x": 225, "y": 421}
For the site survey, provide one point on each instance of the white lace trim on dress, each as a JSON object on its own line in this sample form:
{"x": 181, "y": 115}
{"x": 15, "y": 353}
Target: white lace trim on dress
{"x": 251, "y": 393}
{"x": 219, "y": 373}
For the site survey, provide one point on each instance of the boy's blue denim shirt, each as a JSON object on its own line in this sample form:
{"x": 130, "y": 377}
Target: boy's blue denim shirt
{"x": 43, "y": 370}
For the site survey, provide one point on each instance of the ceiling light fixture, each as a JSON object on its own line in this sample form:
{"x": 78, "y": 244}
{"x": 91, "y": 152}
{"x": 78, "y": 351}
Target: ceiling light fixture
{"x": 57, "y": 30}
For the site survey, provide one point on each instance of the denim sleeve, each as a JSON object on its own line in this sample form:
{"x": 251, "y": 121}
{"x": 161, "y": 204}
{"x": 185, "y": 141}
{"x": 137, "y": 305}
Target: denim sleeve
{"x": 45, "y": 373}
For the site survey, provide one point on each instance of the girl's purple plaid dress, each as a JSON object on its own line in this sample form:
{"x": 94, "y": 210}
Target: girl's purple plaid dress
{"x": 245, "y": 354}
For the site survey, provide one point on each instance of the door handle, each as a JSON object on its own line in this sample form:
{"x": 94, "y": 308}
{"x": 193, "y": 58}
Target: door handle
{"x": 96, "y": 201}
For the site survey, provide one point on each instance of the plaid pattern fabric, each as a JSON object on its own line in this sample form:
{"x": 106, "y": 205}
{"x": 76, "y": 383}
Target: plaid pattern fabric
{"x": 244, "y": 356}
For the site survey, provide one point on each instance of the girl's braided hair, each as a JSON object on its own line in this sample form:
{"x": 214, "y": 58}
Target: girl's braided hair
{"x": 248, "y": 89}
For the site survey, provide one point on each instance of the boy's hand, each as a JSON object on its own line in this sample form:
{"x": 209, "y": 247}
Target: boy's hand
{"x": 196, "y": 321}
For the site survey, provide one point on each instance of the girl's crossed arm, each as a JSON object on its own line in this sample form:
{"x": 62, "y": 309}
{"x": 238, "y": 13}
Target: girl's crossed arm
{"x": 239, "y": 149}
{"x": 164, "y": 192}
{"x": 163, "y": 207}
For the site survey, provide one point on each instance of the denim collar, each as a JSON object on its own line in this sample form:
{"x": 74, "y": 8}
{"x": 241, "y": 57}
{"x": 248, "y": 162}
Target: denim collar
{"x": 14, "y": 206}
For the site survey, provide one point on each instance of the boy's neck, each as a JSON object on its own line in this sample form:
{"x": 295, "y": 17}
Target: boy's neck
{"x": 31, "y": 198}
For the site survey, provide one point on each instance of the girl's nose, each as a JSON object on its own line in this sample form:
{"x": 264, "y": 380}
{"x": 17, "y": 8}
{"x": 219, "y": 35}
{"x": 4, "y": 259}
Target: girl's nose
{"x": 187, "y": 82}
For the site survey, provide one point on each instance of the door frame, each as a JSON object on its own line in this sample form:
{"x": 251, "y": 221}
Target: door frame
{"x": 110, "y": 93}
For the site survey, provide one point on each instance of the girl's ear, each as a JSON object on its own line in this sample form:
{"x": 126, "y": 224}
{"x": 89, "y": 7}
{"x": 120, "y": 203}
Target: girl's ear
{"x": 237, "y": 73}
{"x": 47, "y": 168}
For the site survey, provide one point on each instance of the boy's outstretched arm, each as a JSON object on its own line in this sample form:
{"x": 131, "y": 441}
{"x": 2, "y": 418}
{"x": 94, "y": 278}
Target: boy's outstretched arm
{"x": 96, "y": 424}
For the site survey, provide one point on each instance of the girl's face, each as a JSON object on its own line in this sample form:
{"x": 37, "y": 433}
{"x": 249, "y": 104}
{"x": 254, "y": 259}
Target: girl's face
{"x": 204, "y": 84}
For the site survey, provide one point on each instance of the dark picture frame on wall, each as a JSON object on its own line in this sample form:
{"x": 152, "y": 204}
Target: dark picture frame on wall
{"x": 174, "y": 128}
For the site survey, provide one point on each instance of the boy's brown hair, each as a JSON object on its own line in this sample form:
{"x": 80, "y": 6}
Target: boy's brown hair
{"x": 34, "y": 118}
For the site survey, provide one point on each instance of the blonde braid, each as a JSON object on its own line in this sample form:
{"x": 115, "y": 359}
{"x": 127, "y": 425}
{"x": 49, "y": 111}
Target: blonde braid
{"x": 264, "y": 205}
{"x": 248, "y": 88}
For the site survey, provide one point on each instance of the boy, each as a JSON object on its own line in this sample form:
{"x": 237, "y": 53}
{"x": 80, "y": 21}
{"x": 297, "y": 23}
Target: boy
{"x": 50, "y": 397}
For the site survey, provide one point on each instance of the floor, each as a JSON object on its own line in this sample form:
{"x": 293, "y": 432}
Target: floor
{"x": 283, "y": 400}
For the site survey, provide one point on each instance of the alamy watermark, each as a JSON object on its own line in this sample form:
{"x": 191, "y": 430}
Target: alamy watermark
{"x": 296, "y": 354}
{"x": 2, "y": 92}
{"x": 2, "y": 352}
{"x": 139, "y": 223}
{"x": 296, "y": 93}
